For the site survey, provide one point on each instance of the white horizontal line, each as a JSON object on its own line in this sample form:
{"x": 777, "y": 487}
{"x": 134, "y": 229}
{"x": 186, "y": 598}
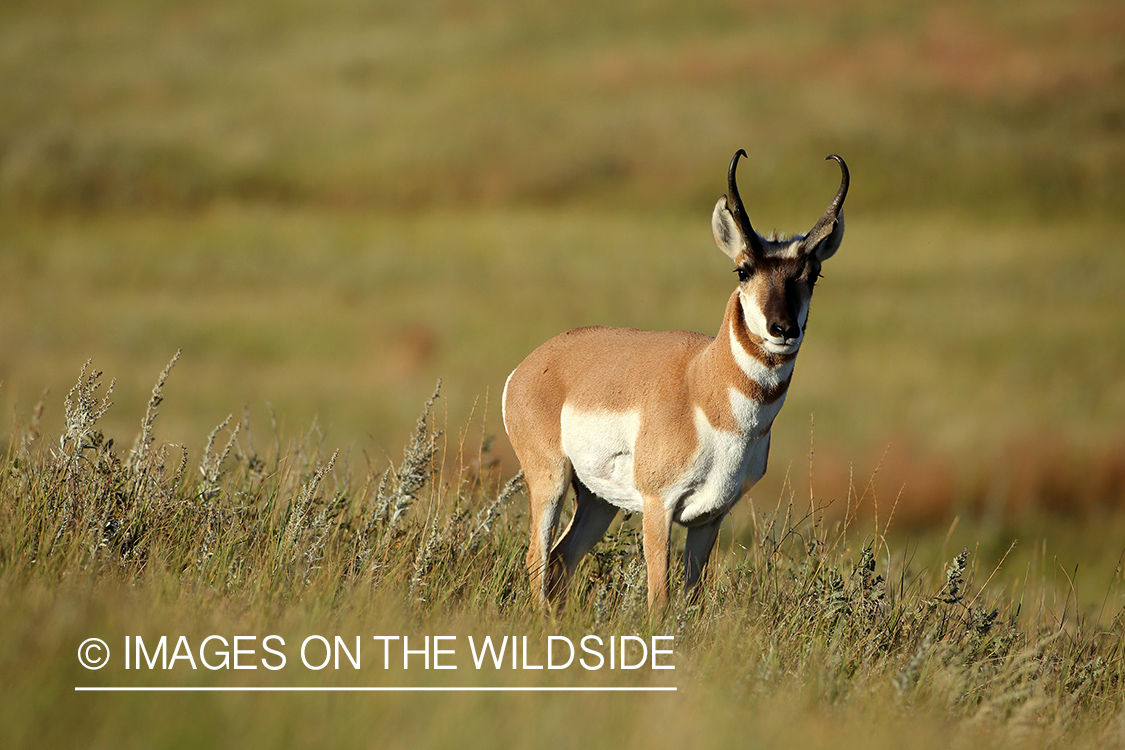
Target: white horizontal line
{"x": 362, "y": 689}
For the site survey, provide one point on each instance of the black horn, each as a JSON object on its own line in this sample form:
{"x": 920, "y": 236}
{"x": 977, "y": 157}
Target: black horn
{"x": 827, "y": 222}
{"x": 738, "y": 210}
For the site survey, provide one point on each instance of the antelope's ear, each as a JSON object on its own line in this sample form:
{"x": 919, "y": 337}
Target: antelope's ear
{"x": 728, "y": 235}
{"x": 825, "y": 247}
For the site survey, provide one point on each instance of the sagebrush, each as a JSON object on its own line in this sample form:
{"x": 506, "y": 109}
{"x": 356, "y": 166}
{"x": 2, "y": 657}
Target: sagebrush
{"x": 438, "y": 538}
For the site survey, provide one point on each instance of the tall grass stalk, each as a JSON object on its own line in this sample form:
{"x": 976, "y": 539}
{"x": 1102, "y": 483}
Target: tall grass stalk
{"x": 800, "y": 613}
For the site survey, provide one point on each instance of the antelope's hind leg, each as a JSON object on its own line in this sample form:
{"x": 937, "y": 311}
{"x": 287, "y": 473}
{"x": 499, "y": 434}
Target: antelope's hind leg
{"x": 547, "y": 483}
{"x": 592, "y": 517}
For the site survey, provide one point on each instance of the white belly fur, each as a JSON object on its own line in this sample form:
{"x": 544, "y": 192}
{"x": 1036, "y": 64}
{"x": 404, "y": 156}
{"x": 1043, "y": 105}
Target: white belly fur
{"x": 601, "y": 446}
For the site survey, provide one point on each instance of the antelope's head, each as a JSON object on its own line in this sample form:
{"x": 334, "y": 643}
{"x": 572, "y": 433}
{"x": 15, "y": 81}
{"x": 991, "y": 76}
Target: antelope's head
{"x": 776, "y": 275}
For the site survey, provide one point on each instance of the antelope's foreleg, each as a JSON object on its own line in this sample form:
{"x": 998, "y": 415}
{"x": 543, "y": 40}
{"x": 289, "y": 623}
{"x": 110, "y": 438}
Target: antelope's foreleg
{"x": 697, "y": 550}
{"x": 657, "y": 532}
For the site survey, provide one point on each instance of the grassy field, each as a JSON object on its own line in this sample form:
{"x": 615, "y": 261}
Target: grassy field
{"x": 328, "y": 207}
{"x": 810, "y": 632}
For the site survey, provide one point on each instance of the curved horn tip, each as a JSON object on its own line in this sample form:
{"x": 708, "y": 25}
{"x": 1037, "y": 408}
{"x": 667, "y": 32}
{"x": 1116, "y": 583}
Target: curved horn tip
{"x": 734, "y": 159}
{"x": 839, "y": 160}
{"x": 736, "y": 207}
{"x": 845, "y": 180}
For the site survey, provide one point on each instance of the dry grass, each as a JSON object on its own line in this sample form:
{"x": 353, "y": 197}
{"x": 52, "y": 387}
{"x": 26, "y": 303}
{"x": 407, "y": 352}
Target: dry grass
{"x": 295, "y": 540}
{"x": 328, "y": 207}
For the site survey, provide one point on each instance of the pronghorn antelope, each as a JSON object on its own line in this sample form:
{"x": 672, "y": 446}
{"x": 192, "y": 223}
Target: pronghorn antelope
{"x": 674, "y": 425}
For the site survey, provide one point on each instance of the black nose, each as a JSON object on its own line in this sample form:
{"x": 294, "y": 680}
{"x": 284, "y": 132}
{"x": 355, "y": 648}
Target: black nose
{"x": 781, "y": 331}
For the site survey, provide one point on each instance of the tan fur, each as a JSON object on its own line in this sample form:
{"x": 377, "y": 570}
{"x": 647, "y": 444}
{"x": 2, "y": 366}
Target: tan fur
{"x": 663, "y": 375}
{"x": 668, "y": 423}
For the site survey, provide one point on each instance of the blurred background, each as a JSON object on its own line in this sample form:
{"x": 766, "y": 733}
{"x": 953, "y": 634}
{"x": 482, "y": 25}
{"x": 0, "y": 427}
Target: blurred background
{"x": 328, "y": 206}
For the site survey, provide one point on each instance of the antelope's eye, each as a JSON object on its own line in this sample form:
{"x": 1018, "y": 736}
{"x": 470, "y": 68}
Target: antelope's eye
{"x": 743, "y": 274}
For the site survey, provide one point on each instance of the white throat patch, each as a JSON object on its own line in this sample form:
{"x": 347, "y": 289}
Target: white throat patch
{"x": 756, "y": 370}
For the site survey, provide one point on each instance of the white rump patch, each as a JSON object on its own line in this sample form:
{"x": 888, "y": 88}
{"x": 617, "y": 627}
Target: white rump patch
{"x": 504, "y": 401}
